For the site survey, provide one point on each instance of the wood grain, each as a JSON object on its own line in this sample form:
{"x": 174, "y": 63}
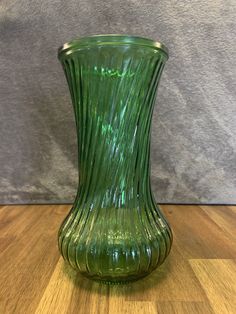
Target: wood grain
{"x": 217, "y": 278}
{"x": 198, "y": 276}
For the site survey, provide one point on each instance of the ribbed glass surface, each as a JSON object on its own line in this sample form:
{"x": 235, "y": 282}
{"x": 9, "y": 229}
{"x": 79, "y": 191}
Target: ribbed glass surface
{"x": 115, "y": 231}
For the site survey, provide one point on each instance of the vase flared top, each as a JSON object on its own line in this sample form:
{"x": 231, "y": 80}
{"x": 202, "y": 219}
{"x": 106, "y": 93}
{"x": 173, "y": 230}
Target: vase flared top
{"x": 110, "y": 39}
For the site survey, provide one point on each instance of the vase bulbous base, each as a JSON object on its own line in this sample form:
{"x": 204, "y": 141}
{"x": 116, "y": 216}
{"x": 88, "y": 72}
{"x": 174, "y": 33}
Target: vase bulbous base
{"x": 115, "y": 245}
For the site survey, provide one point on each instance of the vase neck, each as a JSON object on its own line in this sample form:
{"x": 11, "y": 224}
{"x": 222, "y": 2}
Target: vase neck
{"x": 113, "y": 92}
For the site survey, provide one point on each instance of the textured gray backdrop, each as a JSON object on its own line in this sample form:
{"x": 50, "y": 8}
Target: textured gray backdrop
{"x": 193, "y": 131}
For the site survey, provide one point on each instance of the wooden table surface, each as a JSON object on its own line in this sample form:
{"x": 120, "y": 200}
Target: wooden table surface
{"x": 199, "y": 275}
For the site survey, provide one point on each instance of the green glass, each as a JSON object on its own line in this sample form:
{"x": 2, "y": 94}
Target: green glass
{"x": 115, "y": 232}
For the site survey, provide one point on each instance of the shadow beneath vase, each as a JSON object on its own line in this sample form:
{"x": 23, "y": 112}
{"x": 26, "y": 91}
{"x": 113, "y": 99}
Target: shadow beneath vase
{"x": 151, "y": 281}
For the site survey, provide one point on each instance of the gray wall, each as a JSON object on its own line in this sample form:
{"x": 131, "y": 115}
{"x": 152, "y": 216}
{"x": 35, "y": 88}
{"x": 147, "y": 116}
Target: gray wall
{"x": 193, "y": 131}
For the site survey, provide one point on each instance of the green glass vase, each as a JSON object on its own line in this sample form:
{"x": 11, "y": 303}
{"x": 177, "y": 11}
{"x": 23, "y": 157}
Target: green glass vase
{"x": 115, "y": 232}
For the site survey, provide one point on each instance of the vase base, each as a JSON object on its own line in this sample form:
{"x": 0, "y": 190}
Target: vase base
{"x": 114, "y": 278}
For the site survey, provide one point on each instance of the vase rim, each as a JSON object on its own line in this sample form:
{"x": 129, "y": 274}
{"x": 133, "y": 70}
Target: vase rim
{"x": 106, "y": 39}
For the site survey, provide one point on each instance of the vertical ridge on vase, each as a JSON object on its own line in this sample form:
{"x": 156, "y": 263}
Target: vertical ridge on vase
{"x": 65, "y": 237}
